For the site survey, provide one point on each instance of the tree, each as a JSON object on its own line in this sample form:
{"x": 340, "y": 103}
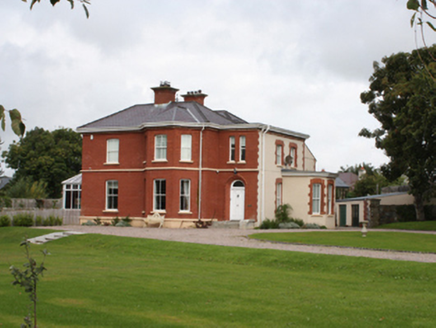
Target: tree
{"x": 53, "y": 2}
{"x": 402, "y": 97}
{"x": 369, "y": 169}
{"x": 50, "y": 157}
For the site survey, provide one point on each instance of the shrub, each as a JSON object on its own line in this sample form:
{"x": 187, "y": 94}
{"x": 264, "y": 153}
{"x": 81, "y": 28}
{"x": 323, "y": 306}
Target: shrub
{"x": 127, "y": 219}
{"x": 23, "y": 220}
{"x": 89, "y": 223}
{"x": 406, "y": 213}
{"x": 269, "y": 224}
{"x": 59, "y": 221}
{"x": 5, "y": 201}
{"x": 312, "y": 226}
{"x": 39, "y": 221}
{"x": 97, "y": 221}
{"x": 123, "y": 224}
{"x": 297, "y": 221}
{"x": 283, "y": 213}
{"x": 5, "y": 221}
{"x": 289, "y": 225}
{"x": 115, "y": 221}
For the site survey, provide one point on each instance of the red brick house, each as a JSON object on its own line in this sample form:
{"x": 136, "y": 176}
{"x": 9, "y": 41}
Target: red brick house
{"x": 188, "y": 162}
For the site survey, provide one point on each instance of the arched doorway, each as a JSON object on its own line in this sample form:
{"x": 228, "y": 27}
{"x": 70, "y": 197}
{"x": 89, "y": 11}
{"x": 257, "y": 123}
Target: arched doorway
{"x": 237, "y": 201}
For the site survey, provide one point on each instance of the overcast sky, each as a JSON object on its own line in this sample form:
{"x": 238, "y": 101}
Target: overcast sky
{"x": 295, "y": 64}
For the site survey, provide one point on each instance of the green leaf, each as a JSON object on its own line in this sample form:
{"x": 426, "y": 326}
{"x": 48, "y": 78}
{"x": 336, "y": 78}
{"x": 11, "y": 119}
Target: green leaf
{"x": 86, "y": 11}
{"x": 431, "y": 26}
{"x": 72, "y": 3}
{"x": 14, "y": 114}
{"x": 413, "y": 4}
{"x": 412, "y": 20}
{"x": 53, "y": 2}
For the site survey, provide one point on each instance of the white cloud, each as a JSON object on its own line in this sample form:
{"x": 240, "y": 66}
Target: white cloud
{"x": 300, "y": 65}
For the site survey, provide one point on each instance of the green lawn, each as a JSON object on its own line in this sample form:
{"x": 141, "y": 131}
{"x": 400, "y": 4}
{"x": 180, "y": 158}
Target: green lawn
{"x": 389, "y": 240}
{"x": 414, "y": 225}
{"x": 107, "y": 281}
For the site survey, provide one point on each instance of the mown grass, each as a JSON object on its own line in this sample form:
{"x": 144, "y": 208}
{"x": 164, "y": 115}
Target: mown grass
{"x": 414, "y": 225}
{"x": 400, "y": 241}
{"x": 108, "y": 281}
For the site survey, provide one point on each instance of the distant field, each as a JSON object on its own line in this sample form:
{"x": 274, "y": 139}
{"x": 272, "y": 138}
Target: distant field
{"x": 108, "y": 281}
{"x": 400, "y": 241}
{"x": 414, "y": 225}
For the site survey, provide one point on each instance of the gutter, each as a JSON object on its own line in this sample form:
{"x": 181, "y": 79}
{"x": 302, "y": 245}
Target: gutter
{"x": 200, "y": 168}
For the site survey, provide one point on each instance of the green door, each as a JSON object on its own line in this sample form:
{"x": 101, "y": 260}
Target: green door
{"x": 342, "y": 215}
{"x": 355, "y": 215}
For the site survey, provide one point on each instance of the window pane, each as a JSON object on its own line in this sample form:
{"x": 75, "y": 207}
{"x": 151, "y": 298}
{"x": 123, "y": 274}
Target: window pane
{"x": 112, "y": 195}
{"x": 159, "y": 195}
{"x": 242, "y": 148}
{"x": 184, "y": 195}
{"x": 279, "y": 194}
{"x": 112, "y": 151}
{"x": 232, "y": 148}
{"x": 185, "y": 153}
{"x": 68, "y": 200}
{"x": 161, "y": 146}
{"x": 279, "y": 155}
{"x": 316, "y": 189}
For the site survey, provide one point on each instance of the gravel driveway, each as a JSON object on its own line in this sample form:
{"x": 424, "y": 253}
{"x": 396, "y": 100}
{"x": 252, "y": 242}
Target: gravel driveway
{"x": 238, "y": 238}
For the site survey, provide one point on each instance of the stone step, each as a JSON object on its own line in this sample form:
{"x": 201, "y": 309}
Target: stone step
{"x": 53, "y": 236}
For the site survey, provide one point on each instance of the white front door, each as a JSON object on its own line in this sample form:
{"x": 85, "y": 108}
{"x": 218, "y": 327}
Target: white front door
{"x": 237, "y": 201}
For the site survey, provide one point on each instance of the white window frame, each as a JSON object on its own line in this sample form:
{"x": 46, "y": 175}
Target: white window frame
{"x": 160, "y": 147}
{"x": 112, "y": 151}
{"x": 158, "y": 197}
{"x": 185, "y": 195}
{"x": 279, "y": 151}
{"x": 186, "y": 147}
{"x": 294, "y": 159}
{"x": 111, "y": 195}
{"x": 232, "y": 149}
{"x": 72, "y": 196}
{"x": 316, "y": 198}
{"x": 242, "y": 148}
{"x": 279, "y": 194}
{"x": 330, "y": 199}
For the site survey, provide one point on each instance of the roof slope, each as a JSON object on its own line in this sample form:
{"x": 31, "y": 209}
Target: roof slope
{"x": 183, "y": 112}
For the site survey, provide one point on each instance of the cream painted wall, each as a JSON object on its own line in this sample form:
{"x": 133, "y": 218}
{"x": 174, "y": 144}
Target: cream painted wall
{"x": 272, "y": 171}
{"x": 296, "y": 192}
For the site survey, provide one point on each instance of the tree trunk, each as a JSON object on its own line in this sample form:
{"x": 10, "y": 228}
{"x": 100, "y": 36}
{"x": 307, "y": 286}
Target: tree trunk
{"x": 419, "y": 208}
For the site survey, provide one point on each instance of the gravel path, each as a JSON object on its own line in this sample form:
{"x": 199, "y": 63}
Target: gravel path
{"x": 238, "y": 238}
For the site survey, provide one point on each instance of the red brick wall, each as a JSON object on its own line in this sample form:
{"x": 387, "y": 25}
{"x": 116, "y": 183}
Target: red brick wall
{"x": 137, "y": 171}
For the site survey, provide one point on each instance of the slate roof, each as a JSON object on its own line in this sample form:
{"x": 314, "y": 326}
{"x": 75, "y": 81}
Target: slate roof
{"x": 183, "y": 112}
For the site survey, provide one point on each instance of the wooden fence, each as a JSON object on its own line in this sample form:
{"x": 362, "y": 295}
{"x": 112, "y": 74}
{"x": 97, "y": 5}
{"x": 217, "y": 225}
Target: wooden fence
{"x": 69, "y": 217}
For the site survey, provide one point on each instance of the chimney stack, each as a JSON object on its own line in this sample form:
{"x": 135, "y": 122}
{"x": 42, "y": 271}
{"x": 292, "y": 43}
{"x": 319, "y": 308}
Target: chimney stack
{"x": 164, "y": 93}
{"x": 197, "y": 96}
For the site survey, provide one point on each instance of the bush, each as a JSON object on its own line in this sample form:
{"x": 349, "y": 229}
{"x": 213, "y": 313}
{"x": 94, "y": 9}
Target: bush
{"x": 39, "y": 221}
{"x": 23, "y": 220}
{"x": 269, "y": 224}
{"x": 97, "y": 221}
{"x": 297, "y": 221}
{"x": 405, "y": 213}
{"x": 289, "y": 225}
{"x": 312, "y": 226}
{"x": 127, "y": 219}
{"x": 283, "y": 213}
{"x": 59, "y": 221}
{"x": 5, "y": 221}
{"x": 123, "y": 223}
{"x": 89, "y": 223}
{"x": 115, "y": 221}
{"x": 5, "y": 201}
